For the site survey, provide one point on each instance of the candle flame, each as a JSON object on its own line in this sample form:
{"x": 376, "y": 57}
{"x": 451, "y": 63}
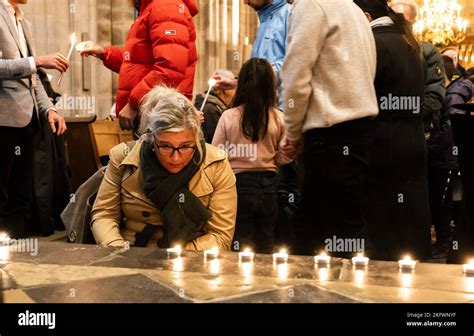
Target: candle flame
{"x": 212, "y": 82}
{"x": 247, "y": 250}
{"x": 283, "y": 251}
{"x": 407, "y": 258}
{"x": 471, "y": 262}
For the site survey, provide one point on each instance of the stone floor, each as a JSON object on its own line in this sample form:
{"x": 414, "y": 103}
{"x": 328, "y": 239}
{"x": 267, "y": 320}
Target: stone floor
{"x": 66, "y": 273}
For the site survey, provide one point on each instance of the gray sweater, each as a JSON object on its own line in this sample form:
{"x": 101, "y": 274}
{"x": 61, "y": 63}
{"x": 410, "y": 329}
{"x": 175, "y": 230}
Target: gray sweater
{"x": 329, "y": 71}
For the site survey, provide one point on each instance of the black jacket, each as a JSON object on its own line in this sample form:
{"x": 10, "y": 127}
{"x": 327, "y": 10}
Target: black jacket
{"x": 435, "y": 89}
{"x": 52, "y": 187}
{"x": 440, "y": 145}
{"x": 212, "y": 113}
{"x": 398, "y": 214}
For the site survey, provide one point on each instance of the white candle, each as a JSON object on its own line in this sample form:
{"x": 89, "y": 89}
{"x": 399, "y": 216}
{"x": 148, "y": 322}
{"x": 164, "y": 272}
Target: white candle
{"x": 360, "y": 260}
{"x": 322, "y": 259}
{"x": 246, "y": 255}
{"x": 212, "y": 82}
{"x": 174, "y": 252}
{"x": 280, "y": 257}
{"x": 73, "y": 43}
{"x": 407, "y": 263}
{"x": 212, "y": 253}
{"x": 469, "y": 268}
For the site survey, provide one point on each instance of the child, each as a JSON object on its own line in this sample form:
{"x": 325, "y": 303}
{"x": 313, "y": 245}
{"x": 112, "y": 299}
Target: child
{"x": 252, "y": 133}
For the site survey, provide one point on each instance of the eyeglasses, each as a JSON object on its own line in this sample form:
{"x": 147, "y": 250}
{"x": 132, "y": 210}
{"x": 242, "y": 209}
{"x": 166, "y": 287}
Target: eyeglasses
{"x": 169, "y": 150}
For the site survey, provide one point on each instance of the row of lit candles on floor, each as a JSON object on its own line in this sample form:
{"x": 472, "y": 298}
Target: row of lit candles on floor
{"x": 322, "y": 260}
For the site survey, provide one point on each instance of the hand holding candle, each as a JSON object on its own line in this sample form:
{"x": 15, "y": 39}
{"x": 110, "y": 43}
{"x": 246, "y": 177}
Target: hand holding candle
{"x": 73, "y": 44}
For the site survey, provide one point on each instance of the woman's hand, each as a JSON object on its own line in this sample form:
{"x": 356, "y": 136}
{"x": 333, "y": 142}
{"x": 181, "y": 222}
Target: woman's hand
{"x": 91, "y": 48}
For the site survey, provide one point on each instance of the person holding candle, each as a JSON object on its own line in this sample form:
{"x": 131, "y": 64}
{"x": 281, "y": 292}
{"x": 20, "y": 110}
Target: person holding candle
{"x": 256, "y": 125}
{"x": 170, "y": 188}
{"x": 23, "y": 101}
{"x": 218, "y": 101}
{"x": 160, "y": 50}
{"x": 398, "y": 211}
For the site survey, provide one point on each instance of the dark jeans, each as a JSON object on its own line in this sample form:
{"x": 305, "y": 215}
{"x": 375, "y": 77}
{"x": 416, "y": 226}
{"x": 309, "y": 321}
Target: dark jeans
{"x": 441, "y": 186}
{"x": 257, "y": 211}
{"x": 289, "y": 199}
{"x": 16, "y": 178}
{"x": 336, "y": 162}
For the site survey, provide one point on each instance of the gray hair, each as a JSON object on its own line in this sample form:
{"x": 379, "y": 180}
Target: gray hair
{"x": 223, "y": 73}
{"x": 166, "y": 110}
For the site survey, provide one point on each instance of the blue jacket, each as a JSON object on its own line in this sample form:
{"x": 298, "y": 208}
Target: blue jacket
{"x": 270, "y": 43}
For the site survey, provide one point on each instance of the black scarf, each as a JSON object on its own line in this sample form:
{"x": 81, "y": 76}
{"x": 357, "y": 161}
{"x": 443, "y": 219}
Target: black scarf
{"x": 182, "y": 213}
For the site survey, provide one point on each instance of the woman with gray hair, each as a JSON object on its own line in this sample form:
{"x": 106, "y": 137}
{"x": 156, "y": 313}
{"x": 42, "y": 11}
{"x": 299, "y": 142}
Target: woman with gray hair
{"x": 170, "y": 188}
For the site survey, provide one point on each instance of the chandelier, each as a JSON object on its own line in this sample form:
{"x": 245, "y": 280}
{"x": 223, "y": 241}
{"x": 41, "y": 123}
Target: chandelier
{"x": 440, "y": 22}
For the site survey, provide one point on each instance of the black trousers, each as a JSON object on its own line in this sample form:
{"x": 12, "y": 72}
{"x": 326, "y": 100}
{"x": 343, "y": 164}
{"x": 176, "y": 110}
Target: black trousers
{"x": 16, "y": 178}
{"x": 441, "y": 187}
{"x": 257, "y": 211}
{"x": 336, "y": 162}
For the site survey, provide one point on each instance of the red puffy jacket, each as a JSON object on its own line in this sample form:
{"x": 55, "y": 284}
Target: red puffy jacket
{"x": 160, "y": 50}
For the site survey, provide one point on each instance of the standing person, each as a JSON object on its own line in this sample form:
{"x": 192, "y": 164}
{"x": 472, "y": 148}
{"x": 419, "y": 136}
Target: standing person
{"x": 398, "y": 212}
{"x": 435, "y": 89}
{"x": 22, "y": 101}
{"x": 271, "y": 45}
{"x": 160, "y": 50}
{"x": 333, "y": 120}
{"x": 444, "y": 169}
{"x": 252, "y": 133}
{"x": 218, "y": 101}
{"x": 453, "y": 53}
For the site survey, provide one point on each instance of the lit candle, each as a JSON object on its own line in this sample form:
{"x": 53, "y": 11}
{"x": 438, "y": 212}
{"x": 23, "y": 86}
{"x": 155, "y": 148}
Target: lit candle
{"x": 73, "y": 43}
{"x": 407, "y": 263}
{"x": 4, "y": 247}
{"x": 322, "y": 259}
{"x": 174, "y": 252}
{"x": 360, "y": 260}
{"x": 212, "y": 253}
{"x": 469, "y": 268}
{"x": 212, "y": 82}
{"x": 280, "y": 257}
{"x": 246, "y": 255}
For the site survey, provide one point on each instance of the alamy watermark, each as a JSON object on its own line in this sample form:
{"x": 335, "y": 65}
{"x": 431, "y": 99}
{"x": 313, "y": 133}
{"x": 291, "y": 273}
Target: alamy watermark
{"x": 27, "y": 245}
{"x": 239, "y": 150}
{"x": 77, "y": 103}
{"x": 334, "y": 244}
{"x": 400, "y": 103}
